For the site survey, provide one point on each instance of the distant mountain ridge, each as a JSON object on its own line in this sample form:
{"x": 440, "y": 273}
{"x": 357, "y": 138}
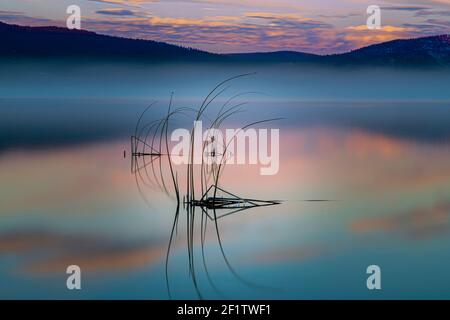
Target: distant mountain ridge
{"x": 37, "y": 42}
{"x": 434, "y": 50}
{"x": 22, "y": 41}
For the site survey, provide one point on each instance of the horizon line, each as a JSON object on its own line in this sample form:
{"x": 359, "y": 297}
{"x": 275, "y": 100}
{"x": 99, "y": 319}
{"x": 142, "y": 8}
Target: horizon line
{"x": 225, "y": 54}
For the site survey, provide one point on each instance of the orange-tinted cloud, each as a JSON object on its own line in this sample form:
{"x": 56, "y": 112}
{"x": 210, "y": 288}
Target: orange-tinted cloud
{"x": 361, "y": 36}
{"x": 251, "y": 25}
{"x": 58, "y": 180}
{"x": 281, "y": 255}
{"x": 415, "y": 223}
{"x": 91, "y": 253}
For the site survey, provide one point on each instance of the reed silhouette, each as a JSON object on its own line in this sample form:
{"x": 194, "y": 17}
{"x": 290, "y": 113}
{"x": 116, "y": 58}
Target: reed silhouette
{"x": 150, "y": 154}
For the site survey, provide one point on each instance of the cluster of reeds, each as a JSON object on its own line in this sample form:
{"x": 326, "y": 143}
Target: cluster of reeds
{"x": 150, "y": 150}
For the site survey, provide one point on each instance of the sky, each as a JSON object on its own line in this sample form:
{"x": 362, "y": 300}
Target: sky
{"x": 225, "y": 26}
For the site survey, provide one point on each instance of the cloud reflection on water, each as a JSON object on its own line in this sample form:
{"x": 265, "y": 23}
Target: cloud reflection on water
{"x": 92, "y": 214}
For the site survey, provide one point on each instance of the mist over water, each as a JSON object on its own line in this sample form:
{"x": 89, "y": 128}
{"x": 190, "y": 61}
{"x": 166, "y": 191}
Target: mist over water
{"x": 374, "y": 140}
{"x": 67, "y": 78}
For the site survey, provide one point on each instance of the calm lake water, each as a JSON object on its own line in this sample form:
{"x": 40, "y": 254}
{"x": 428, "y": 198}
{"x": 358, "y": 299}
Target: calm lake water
{"x": 377, "y": 142}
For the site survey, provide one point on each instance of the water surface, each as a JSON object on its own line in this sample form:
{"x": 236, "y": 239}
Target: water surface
{"x": 375, "y": 141}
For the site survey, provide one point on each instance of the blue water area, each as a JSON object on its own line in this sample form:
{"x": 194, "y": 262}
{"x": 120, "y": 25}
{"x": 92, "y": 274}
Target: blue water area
{"x": 375, "y": 141}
